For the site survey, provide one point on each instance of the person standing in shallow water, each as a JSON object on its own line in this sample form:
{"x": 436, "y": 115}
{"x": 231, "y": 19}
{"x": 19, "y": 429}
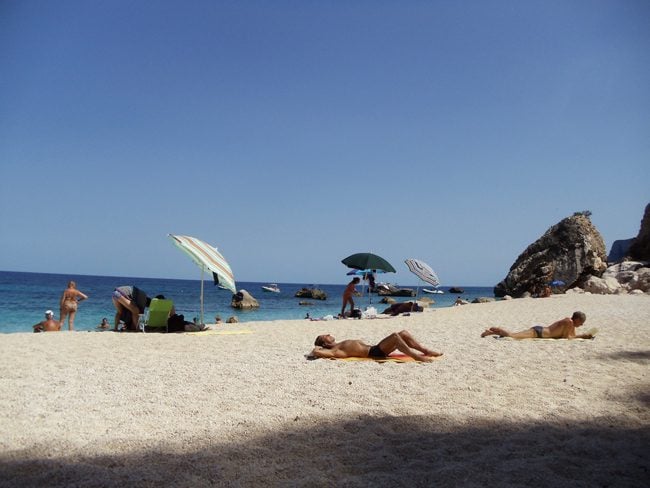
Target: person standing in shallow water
{"x": 69, "y": 301}
{"x": 347, "y": 295}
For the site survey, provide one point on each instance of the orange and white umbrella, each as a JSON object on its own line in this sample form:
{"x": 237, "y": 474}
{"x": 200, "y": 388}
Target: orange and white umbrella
{"x": 207, "y": 258}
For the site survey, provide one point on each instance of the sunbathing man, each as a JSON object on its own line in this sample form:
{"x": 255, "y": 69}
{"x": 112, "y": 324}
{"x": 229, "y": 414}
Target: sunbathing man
{"x": 562, "y": 329}
{"x": 327, "y": 347}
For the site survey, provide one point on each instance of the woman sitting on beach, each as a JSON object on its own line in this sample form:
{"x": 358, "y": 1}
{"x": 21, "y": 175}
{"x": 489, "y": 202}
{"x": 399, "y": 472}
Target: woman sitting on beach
{"x": 562, "y": 329}
{"x": 69, "y": 302}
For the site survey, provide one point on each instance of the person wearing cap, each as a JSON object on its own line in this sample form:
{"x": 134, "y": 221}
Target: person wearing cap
{"x": 49, "y": 324}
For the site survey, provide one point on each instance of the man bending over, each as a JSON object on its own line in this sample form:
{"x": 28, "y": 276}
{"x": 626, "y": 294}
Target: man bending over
{"x": 327, "y": 347}
{"x": 562, "y": 329}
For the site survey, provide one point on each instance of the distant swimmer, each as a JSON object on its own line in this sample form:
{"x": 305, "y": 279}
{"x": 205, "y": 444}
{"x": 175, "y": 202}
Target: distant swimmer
{"x": 562, "y": 329}
{"x": 49, "y": 324}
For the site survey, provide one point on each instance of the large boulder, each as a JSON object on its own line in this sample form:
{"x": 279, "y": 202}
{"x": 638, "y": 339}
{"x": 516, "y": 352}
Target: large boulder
{"x": 571, "y": 251}
{"x": 642, "y": 281}
{"x": 601, "y": 286}
{"x": 621, "y": 278}
{"x": 640, "y": 249}
{"x": 243, "y": 299}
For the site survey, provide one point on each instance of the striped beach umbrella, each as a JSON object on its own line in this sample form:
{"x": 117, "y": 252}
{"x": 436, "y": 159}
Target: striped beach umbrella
{"x": 423, "y": 271}
{"x": 207, "y": 258}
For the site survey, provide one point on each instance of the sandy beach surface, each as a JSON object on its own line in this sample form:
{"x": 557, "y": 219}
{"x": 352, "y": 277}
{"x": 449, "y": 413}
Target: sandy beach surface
{"x": 248, "y": 409}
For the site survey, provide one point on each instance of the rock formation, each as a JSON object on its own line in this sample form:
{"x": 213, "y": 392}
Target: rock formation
{"x": 243, "y": 299}
{"x": 619, "y": 250}
{"x": 571, "y": 250}
{"x": 483, "y": 300}
{"x": 640, "y": 248}
{"x": 313, "y": 293}
{"x": 621, "y": 278}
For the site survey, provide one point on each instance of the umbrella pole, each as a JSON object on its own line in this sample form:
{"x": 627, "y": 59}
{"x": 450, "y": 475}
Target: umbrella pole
{"x": 417, "y": 292}
{"x": 202, "y": 270}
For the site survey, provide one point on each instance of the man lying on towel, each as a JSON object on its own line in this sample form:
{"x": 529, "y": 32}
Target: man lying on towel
{"x": 327, "y": 347}
{"x": 562, "y": 329}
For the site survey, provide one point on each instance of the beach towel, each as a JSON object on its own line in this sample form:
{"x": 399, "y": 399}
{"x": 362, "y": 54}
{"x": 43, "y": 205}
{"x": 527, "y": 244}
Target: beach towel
{"x": 392, "y": 358}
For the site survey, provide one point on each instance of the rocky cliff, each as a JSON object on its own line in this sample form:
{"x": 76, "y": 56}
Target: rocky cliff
{"x": 570, "y": 251}
{"x": 619, "y": 250}
{"x": 640, "y": 249}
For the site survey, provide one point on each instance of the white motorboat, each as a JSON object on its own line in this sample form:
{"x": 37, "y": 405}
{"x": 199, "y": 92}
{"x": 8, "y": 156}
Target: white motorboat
{"x": 428, "y": 290}
{"x": 271, "y": 287}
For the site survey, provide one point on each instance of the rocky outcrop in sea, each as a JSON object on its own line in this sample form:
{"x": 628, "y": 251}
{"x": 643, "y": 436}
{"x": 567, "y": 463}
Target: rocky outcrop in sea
{"x": 313, "y": 293}
{"x": 243, "y": 300}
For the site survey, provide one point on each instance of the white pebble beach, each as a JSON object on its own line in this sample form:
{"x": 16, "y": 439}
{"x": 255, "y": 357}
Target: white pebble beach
{"x": 112, "y": 409}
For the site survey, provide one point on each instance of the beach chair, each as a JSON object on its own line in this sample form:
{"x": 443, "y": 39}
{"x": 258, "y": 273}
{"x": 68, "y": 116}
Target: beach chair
{"x": 158, "y": 314}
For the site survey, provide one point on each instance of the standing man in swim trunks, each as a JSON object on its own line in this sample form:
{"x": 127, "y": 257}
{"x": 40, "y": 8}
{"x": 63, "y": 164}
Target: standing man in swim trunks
{"x": 347, "y": 295}
{"x": 327, "y": 347}
{"x": 562, "y": 329}
{"x": 69, "y": 302}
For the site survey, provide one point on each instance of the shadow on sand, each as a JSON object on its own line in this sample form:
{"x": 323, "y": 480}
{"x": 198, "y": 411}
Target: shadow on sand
{"x": 641, "y": 357}
{"x": 384, "y": 451}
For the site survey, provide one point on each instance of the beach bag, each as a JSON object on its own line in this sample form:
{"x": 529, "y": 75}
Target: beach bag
{"x": 369, "y": 313}
{"x": 176, "y": 323}
{"x": 356, "y": 313}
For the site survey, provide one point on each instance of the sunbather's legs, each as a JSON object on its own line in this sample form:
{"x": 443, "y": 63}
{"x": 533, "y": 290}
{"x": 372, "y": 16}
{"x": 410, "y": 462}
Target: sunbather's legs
{"x": 395, "y": 341}
{"x": 524, "y": 334}
{"x": 411, "y": 342}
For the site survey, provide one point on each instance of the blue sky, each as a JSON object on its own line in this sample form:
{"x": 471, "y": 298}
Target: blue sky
{"x": 291, "y": 134}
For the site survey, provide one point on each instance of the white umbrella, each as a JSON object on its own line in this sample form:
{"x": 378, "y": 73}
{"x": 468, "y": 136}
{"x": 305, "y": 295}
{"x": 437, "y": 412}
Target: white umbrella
{"x": 423, "y": 271}
{"x": 208, "y": 258}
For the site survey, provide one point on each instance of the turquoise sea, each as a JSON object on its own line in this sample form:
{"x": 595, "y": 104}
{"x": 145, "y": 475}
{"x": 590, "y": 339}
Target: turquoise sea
{"x": 24, "y": 297}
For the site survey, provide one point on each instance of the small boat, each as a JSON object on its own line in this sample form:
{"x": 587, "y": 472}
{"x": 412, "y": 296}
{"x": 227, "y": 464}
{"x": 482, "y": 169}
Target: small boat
{"x": 428, "y": 290}
{"x": 271, "y": 287}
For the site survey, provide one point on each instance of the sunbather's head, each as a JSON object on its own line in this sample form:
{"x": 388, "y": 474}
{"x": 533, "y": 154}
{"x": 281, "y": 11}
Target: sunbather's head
{"x": 325, "y": 340}
{"x": 578, "y": 318}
